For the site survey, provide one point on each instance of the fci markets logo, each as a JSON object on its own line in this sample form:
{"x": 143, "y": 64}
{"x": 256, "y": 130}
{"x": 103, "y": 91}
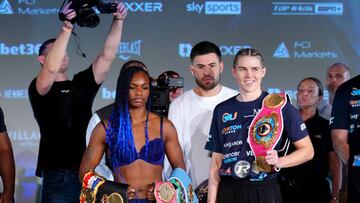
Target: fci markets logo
{"x": 5, "y": 7}
{"x": 26, "y": 7}
{"x": 302, "y": 49}
{"x": 281, "y": 51}
{"x": 215, "y": 7}
{"x": 184, "y": 49}
{"x": 129, "y": 49}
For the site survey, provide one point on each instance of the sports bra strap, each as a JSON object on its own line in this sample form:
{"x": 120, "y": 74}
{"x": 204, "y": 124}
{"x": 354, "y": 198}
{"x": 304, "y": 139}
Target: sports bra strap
{"x": 161, "y": 127}
{"x": 103, "y": 124}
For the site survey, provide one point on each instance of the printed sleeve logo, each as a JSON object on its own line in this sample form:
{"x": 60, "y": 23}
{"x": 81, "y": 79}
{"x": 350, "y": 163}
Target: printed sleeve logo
{"x": 303, "y": 127}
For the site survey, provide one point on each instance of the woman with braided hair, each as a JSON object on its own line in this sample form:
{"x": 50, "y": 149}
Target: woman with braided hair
{"x": 135, "y": 141}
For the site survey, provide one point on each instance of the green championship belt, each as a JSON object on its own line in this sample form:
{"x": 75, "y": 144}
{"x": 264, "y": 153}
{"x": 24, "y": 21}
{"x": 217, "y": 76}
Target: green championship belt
{"x": 184, "y": 190}
{"x": 165, "y": 192}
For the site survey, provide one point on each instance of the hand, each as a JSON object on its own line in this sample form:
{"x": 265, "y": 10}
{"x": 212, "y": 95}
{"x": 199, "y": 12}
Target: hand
{"x": 150, "y": 192}
{"x": 272, "y": 158}
{"x": 121, "y": 12}
{"x": 68, "y": 14}
{"x": 130, "y": 193}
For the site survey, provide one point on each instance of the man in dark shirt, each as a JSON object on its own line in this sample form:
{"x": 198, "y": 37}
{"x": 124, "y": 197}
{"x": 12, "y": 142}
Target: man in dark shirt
{"x": 345, "y": 132}
{"x": 7, "y": 165}
{"x": 62, "y": 108}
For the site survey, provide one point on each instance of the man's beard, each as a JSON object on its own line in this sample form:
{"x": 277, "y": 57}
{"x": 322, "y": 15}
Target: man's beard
{"x": 208, "y": 86}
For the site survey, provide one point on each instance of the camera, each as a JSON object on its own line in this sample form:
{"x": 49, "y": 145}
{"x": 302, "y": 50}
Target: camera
{"x": 85, "y": 12}
{"x": 161, "y": 95}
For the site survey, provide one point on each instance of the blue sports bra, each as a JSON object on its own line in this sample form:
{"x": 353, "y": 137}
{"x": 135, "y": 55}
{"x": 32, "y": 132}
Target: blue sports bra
{"x": 155, "y": 155}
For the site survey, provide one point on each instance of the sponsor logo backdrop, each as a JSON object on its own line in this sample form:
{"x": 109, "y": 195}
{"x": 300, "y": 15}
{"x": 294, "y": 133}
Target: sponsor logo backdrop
{"x": 298, "y": 39}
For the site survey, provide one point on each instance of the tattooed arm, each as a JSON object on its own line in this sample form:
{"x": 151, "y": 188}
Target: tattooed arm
{"x": 94, "y": 151}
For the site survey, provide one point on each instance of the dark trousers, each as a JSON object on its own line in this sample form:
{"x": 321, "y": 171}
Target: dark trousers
{"x": 246, "y": 191}
{"x": 301, "y": 191}
{"x": 354, "y": 185}
{"x": 60, "y": 186}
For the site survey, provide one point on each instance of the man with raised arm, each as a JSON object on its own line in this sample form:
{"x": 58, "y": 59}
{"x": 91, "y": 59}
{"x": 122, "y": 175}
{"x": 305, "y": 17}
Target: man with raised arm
{"x": 62, "y": 107}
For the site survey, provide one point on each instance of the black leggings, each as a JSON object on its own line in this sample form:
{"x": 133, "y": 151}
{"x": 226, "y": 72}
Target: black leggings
{"x": 246, "y": 191}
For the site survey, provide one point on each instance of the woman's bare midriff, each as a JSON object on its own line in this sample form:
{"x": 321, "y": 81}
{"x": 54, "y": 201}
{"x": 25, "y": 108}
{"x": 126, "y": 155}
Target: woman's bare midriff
{"x": 139, "y": 175}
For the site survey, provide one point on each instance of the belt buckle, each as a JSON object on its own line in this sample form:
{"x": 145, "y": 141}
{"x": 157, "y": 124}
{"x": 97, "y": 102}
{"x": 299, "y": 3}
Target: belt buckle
{"x": 164, "y": 192}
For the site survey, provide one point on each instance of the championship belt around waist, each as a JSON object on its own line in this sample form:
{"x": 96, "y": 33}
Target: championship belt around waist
{"x": 265, "y": 130}
{"x": 184, "y": 190}
{"x": 165, "y": 192}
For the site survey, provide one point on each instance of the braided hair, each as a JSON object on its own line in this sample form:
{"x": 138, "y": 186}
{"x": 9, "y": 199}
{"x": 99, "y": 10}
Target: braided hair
{"x": 119, "y": 136}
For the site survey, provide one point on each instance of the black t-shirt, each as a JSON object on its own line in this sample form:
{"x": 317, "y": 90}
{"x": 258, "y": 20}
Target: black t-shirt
{"x": 346, "y": 115}
{"x": 229, "y": 132}
{"x": 2, "y": 122}
{"x": 63, "y": 115}
{"x": 318, "y": 167}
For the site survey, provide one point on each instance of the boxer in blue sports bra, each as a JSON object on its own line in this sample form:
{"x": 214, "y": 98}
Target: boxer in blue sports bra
{"x": 135, "y": 140}
{"x": 155, "y": 155}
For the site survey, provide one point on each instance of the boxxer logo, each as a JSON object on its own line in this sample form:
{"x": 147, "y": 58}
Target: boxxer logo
{"x": 226, "y": 50}
{"x": 144, "y": 6}
{"x": 185, "y": 49}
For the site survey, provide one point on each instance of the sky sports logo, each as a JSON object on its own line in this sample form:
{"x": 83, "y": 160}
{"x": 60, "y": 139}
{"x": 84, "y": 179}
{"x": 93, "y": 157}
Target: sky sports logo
{"x": 215, "y": 7}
